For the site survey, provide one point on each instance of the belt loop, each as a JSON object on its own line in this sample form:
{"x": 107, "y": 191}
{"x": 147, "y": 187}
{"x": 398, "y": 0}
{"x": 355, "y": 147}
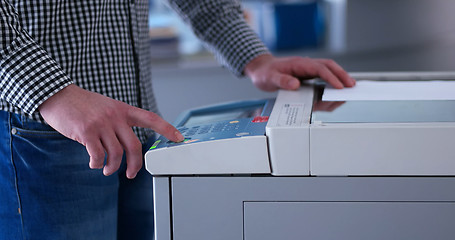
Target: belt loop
{"x": 23, "y": 121}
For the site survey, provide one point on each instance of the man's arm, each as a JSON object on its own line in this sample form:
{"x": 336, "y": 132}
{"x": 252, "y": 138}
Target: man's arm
{"x": 221, "y": 26}
{"x": 31, "y": 80}
{"x": 28, "y": 74}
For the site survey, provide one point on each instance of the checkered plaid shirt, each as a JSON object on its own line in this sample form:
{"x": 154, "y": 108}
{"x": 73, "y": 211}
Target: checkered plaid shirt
{"x": 102, "y": 46}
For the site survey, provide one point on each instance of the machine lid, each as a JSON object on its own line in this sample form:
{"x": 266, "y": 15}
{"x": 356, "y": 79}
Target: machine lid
{"x": 389, "y": 111}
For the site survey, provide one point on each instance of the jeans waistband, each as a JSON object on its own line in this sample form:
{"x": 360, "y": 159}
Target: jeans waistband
{"x": 24, "y": 122}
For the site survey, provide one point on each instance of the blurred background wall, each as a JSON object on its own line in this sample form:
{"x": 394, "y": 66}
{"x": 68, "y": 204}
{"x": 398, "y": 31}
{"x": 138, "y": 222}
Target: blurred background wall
{"x": 374, "y": 24}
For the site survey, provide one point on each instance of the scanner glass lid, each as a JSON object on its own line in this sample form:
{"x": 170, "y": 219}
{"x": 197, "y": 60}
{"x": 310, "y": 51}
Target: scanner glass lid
{"x": 401, "y": 111}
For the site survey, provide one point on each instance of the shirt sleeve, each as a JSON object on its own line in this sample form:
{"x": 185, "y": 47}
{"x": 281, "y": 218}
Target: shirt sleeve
{"x": 28, "y": 75}
{"x": 221, "y": 26}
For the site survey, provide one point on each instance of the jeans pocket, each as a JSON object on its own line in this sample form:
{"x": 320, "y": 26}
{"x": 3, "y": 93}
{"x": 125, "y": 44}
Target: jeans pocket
{"x": 34, "y": 133}
{"x": 29, "y": 128}
{"x": 59, "y": 194}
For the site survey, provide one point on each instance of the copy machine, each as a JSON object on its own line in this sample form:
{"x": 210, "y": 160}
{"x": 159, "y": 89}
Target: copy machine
{"x": 300, "y": 166}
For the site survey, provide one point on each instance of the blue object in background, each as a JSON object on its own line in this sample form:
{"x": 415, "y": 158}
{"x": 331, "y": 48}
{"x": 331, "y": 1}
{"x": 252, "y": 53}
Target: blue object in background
{"x": 292, "y": 25}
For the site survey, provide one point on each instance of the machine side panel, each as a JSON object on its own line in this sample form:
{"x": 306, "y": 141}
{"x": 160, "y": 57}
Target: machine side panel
{"x": 349, "y": 220}
{"x": 214, "y": 207}
{"x": 382, "y": 149}
{"x": 162, "y": 208}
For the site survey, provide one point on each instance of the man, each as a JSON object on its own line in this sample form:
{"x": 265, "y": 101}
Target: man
{"x": 76, "y": 90}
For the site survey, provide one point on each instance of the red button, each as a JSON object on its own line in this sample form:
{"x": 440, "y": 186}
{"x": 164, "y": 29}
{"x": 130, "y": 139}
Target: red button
{"x": 260, "y": 119}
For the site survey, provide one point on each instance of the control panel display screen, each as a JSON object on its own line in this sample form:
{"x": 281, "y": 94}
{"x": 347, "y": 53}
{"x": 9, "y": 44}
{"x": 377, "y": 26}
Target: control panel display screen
{"x": 224, "y": 115}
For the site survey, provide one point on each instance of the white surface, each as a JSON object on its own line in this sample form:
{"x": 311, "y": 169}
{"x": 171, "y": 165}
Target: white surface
{"x": 288, "y": 132}
{"x": 290, "y": 114}
{"x": 393, "y": 149}
{"x": 393, "y": 90}
{"x": 244, "y": 155}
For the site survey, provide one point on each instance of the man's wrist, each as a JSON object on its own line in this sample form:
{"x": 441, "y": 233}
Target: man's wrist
{"x": 254, "y": 64}
{"x": 57, "y": 97}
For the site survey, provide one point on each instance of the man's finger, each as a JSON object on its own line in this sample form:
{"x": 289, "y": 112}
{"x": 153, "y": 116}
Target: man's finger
{"x": 339, "y": 72}
{"x": 114, "y": 152}
{"x": 96, "y": 152}
{"x": 287, "y": 82}
{"x": 142, "y": 118}
{"x": 133, "y": 151}
{"x": 327, "y": 75}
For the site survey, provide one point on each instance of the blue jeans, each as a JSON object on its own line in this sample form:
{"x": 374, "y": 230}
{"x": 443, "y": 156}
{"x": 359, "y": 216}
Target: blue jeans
{"x": 48, "y": 190}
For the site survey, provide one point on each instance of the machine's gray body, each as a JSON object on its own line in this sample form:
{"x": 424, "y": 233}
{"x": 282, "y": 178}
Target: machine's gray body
{"x": 317, "y": 208}
{"x": 332, "y": 176}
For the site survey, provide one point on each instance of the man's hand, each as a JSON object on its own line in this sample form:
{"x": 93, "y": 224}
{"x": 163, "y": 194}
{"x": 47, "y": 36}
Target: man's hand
{"x": 104, "y": 126}
{"x": 271, "y": 73}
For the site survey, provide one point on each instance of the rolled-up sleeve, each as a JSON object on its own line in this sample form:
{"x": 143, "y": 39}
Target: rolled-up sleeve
{"x": 28, "y": 75}
{"x": 221, "y": 26}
